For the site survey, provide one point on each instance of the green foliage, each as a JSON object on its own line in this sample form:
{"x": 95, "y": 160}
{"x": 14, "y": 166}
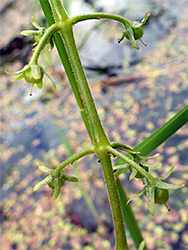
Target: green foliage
{"x": 156, "y": 190}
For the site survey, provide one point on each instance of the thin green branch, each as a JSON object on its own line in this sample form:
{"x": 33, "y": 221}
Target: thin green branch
{"x": 133, "y": 164}
{"x": 48, "y": 33}
{"x": 99, "y": 16}
{"x": 59, "y": 12}
{"x": 123, "y": 147}
{"x": 83, "y": 191}
{"x": 72, "y": 159}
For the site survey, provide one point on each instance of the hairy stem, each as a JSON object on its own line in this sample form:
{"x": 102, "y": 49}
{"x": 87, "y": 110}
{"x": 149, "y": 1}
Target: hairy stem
{"x": 150, "y": 179}
{"x": 59, "y": 12}
{"x": 121, "y": 241}
{"x": 98, "y": 16}
{"x": 88, "y": 110}
{"x": 72, "y": 159}
{"x": 99, "y": 138}
{"x": 49, "y": 32}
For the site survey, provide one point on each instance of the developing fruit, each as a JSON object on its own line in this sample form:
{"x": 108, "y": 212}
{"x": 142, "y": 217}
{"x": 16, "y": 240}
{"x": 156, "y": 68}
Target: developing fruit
{"x": 138, "y": 175}
{"x": 33, "y": 74}
{"x": 161, "y": 195}
{"x": 137, "y": 32}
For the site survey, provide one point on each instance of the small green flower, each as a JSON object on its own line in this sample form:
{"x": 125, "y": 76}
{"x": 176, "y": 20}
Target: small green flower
{"x": 158, "y": 193}
{"x": 37, "y": 34}
{"x": 144, "y": 163}
{"x": 32, "y": 73}
{"x": 134, "y": 31}
{"x": 55, "y": 183}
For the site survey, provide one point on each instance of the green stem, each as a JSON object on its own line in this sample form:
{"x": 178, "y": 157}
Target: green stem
{"x": 129, "y": 218}
{"x": 88, "y": 107}
{"x": 149, "y": 178}
{"x": 48, "y": 33}
{"x": 123, "y": 147}
{"x": 72, "y": 159}
{"x": 99, "y": 138}
{"x": 74, "y": 70}
{"x": 121, "y": 241}
{"x": 163, "y": 133}
{"x": 59, "y": 12}
{"x": 99, "y": 16}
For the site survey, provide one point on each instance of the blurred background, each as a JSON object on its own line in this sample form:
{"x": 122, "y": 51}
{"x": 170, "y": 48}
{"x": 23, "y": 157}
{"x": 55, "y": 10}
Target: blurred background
{"x": 136, "y": 92}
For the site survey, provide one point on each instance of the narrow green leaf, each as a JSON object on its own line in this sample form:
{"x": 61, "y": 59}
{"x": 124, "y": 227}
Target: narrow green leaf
{"x": 136, "y": 196}
{"x": 44, "y": 168}
{"x": 30, "y": 33}
{"x": 160, "y": 135}
{"x": 137, "y": 24}
{"x": 50, "y": 79}
{"x": 150, "y": 194}
{"x": 169, "y": 173}
{"x": 151, "y": 157}
{"x": 142, "y": 245}
{"x": 71, "y": 178}
{"x": 150, "y": 165}
{"x": 14, "y": 73}
{"x": 35, "y": 24}
{"x": 18, "y": 78}
{"x": 161, "y": 184}
{"x": 42, "y": 183}
{"x": 129, "y": 218}
{"x": 57, "y": 189}
{"x": 133, "y": 174}
{"x": 124, "y": 167}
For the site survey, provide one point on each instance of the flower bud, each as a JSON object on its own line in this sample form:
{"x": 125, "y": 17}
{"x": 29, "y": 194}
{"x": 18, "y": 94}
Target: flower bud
{"x": 33, "y": 74}
{"x": 137, "y": 33}
{"x": 134, "y": 31}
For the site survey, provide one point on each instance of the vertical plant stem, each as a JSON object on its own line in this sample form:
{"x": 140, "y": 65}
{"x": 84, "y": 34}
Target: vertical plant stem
{"x": 59, "y": 13}
{"x": 99, "y": 137}
{"x": 87, "y": 107}
{"x": 100, "y": 140}
{"x": 121, "y": 241}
